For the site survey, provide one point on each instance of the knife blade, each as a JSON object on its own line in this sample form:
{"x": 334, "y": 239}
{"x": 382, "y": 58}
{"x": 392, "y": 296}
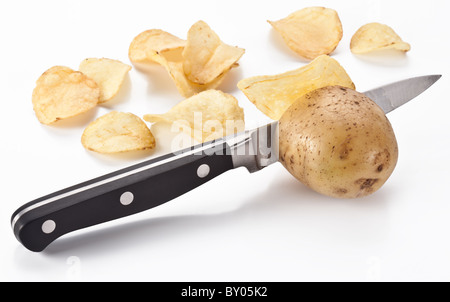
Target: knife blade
{"x": 157, "y": 181}
{"x": 392, "y": 96}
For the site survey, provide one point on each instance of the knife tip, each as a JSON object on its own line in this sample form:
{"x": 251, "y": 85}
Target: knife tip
{"x": 433, "y": 78}
{"x": 437, "y": 76}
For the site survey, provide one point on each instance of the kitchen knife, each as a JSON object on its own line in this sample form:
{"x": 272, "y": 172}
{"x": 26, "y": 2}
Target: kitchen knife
{"x": 156, "y": 181}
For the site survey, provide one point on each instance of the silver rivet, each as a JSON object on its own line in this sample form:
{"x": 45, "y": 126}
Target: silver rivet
{"x": 48, "y": 227}
{"x": 203, "y": 171}
{"x": 126, "y": 198}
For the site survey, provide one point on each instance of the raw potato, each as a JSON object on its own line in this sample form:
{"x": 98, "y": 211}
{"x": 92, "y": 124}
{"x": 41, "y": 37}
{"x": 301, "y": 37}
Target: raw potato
{"x": 108, "y": 74}
{"x": 205, "y": 116}
{"x": 274, "y": 94}
{"x": 61, "y": 93}
{"x": 206, "y": 57}
{"x": 311, "y": 32}
{"x": 117, "y": 132}
{"x": 338, "y": 142}
{"x": 157, "y": 46}
{"x": 376, "y": 36}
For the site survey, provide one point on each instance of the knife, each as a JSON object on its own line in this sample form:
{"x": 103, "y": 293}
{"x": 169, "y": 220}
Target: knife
{"x": 157, "y": 181}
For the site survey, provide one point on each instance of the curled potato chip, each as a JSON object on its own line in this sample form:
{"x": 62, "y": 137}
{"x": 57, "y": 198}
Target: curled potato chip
{"x": 108, "y": 74}
{"x": 273, "y": 95}
{"x": 311, "y": 32}
{"x": 206, "y": 57}
{"x": 205, "y": 116}
{"x": 376, "y": 36}
{"x": 161, "y": 47}
{"x": 186, "y": 87}
{"x": 61, "y": 93}
{"x": 117, "y": 132}
{"x": 151, "y": 45}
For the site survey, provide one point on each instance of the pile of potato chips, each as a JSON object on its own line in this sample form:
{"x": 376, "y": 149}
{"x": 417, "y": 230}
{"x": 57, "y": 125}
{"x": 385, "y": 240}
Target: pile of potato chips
{"x": 197, "y": 66}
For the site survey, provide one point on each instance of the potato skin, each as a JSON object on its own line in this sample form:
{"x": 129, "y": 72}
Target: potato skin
{"x": 338, "y": 142}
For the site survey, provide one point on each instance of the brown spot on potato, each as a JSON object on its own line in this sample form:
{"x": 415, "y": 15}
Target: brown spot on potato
{"x": 344, "y": 150}
{"x": 380, "y": 168}
{"x": 366, "y": 184}
{"x": 340, "y": 191}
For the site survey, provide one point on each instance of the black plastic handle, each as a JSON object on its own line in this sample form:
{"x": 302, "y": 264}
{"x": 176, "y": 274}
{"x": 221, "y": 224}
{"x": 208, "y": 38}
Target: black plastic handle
{"x": 119, "y": 194}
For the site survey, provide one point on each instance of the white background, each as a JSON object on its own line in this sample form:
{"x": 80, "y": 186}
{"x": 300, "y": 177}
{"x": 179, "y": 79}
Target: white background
{"x": 239, "y": 227}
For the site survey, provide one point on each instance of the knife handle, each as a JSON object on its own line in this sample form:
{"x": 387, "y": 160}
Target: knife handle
{"x": 119, "y": 194}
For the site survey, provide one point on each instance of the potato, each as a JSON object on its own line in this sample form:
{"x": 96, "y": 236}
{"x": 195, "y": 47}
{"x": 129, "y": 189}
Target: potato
{"x": 338, "y": 142}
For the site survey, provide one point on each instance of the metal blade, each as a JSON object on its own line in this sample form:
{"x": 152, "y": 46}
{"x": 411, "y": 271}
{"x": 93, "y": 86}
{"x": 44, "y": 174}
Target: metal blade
{"x": 394, "y": 95}
{"x": 255, "y": 149}
{"x": 267, "y": 142}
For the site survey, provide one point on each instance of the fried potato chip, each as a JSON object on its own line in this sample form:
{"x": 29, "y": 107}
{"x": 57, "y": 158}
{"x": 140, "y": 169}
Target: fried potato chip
{"x": 150, "y": 45}
{"x": 376, "y": 36}
{"x": 157, "y": 46}
{"x": 273, "y": 95}
{"x": 206, "y": 57}
{"x": 117, "y": 132}
{"x": 61, "y": 93}
{"x": 205, "y": 116}
{"x": 108, "y": 74}
{"x": 311, "y": 32}
{"x": 185, "y": 87}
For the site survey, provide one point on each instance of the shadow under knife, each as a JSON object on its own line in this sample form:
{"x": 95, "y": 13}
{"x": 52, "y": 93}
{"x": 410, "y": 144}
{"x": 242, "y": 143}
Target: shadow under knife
{"x": 279, "y": 199}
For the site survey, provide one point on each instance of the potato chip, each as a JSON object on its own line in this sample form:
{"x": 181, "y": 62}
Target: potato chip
{"x": 160, "y": 47}
{"x": 274, "y": 94}
{"x": 206, "y": 57}
{"x": 208, "y": 115}
{"x": 185, "y": 87}
{"x": 149, "y": 45}
{"x": 311, "y": 32}
{"x": 61, "y": 93}
{"x": 117, "y": 132}
{"x": 376, "y": 36}
{"x": 108, "y": 74}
